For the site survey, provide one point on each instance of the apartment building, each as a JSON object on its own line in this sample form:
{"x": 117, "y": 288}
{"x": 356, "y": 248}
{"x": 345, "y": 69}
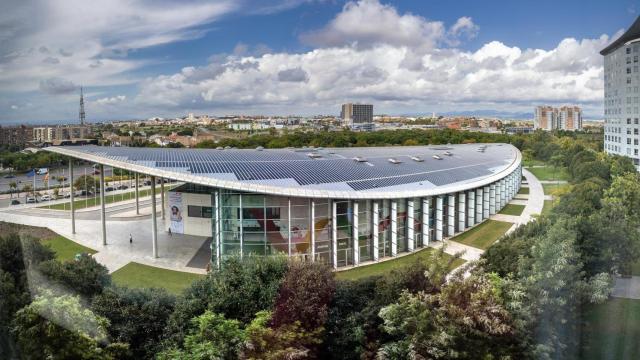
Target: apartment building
{"x": 61, "y": 132}
{"x": 358, "y": 116}
{"x": 15, "y": 135}
{"x": 562, "y": 118}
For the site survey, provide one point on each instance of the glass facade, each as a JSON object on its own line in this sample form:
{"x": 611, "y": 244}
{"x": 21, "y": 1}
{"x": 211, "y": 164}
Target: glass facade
{"x": 258, "y": 224}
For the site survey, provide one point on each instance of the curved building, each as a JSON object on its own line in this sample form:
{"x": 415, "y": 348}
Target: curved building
{"x": 622, "y": 95}
{"x": 344, "y": 207}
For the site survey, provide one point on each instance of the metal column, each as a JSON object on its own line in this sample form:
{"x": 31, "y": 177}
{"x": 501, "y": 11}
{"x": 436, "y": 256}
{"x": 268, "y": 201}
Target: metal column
{"x": 492, "y": 199}
{"x": 478, "y": 205}
{"x": 410, "y": 227}
{"x": 71, "y": 196}
{"x": 394, "y": 227}
{"x": 439, "y": 216}
{"x": 334, "y": 235}
{"x": 426, "y": 209}
{"x": 451, "y": 215}
{"x": 485, "y": 203}
{"x": 162, "y": 198}
{"x": 503, "y": 193}
{"x": 356, "y": 240}
{"x": 471, "y": 212}
{"x": 216, "y": 234}
{"x": 375, "y": 228}
{"x": 137, "y": 194}
{"x": 288, "y": 223}
{"x": 154, "y": 221}
{"x": 462, "y": 211}
{"x": 103, "y": 218}
{"x": 313, "y": 230}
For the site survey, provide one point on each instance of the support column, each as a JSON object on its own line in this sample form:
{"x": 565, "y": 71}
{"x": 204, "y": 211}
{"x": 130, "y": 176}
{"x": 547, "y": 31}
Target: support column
{"x": 355, "y": 237}
{"x": 492, "y": 199}
{"x": 71, "y": 196}
{"x": 154, "y": 221}
{"x": 289, "y": 247}
{"x": 439, "y": 216}
{"x": 503, "y": 193}
{"x": 451, "y": 215}
{"x": 312, "y": 226}
{"x": 375, "y": 229}
{"x": 216, "y": 235}
{"x": 137, "y": 194}
{"x": 471, "y": 213}
{"x": 103, "y": 218}
{"x": 485, "y": 203}
{"x": 462, "y": 211}
{"x": 162, "y": 198}
{"x": 511, "y": 187}
{"x": 497, "y": 197}
{"x": 394, "y": 227}
{"x": 426, "y": 231}
{"x": 410, "y": 226}
{"x": 478, "y": 206}
{"x": 334, "y": 235}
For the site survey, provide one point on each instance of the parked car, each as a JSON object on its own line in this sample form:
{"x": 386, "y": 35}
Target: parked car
{"x": 109, "y": 189}
{"x": 67, "y": 195}
{"x": 122, "y": 187}
{"x": 31, "y": 200}
{"x": 15, "y": 202}
{"x": 45, "y": 197}
{"x": 147, "y": 182}
{"x": 9, "y": 176}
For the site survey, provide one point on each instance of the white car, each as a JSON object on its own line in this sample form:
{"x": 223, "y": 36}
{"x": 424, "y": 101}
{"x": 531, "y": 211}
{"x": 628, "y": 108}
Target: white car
{"x": 45, "y": 197}
{"x": 31, "y": 200}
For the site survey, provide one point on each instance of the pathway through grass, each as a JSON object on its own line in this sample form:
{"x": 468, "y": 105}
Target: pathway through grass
{"x": 512, "y": 209}
{"x": 483, "y": 235}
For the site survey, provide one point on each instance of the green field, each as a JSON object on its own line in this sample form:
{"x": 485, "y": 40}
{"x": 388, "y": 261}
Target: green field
{"x": 550, "y": 173}
{"x": 548, "y": 205}
{"x": 483, "y": 235}
{"x": 523, "y": 190}
{"x": 511, "y": 209}
{"x": 66, "y": 249}
{"x": 384, "y": 267}
{"x": 549, "y": 189}
{"x": 612, "y": 330}
{"x": 108, "y": 199}
{"x": 144, "y": 276}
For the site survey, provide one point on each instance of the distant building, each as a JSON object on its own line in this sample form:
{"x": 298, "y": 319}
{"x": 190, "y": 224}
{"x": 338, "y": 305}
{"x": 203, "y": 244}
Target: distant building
{"x": 60, "y": 132}
{"x": 358, "y": 116}
{"x": 622, "y": 95}
{"x": 563, "y": 118}
{"x": 15, "y": 136}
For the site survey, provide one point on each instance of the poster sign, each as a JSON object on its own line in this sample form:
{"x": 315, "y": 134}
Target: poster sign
{"x": 175, "y": 212}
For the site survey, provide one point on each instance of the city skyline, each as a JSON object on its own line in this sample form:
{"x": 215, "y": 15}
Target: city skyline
{"x": 218, "y": 58}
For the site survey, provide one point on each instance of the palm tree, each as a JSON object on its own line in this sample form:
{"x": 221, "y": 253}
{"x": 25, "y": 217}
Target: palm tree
{"x": 27, "y": 189}
{"x": 13, "y": 186}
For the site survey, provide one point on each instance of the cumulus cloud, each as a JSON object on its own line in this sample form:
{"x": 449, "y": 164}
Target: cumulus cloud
{"x": 111, "y": 100}
{"x": 496, "y": 73}
{"x": 464, "y": 28}
{"x": 57, "y": 86}
{"x": 293, "y": 75}
{"x": 51, "y": 60}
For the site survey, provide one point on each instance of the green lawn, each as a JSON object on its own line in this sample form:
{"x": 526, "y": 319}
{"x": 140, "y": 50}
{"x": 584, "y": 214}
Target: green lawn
{"x": 550, "y": 173}
{"x": 144, "y": 276}
{"x": 523, "y": 190}
{"x": 612, "y": 330}
{"x": 483, "y": 235}
{"x": 108, "y": 199}
{"x": 66, "y": 249}
{"x": 548, "y": 205}
{"x": 533, "y": 162}
{"x": 549, "y": 189}
{"x": 386, "y": 266}
{"x": 511, "y": 209}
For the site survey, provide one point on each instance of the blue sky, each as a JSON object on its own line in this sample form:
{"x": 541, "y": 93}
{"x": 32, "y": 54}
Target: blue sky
{"x": 138, "y": 59}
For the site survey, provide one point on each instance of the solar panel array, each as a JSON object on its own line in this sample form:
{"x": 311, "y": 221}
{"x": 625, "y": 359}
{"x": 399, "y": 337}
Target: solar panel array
{"x": 334, "y": 165}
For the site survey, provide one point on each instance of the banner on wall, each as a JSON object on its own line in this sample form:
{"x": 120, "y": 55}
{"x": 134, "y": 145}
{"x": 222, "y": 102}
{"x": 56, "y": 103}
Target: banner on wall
{"x": 175, "y": 213}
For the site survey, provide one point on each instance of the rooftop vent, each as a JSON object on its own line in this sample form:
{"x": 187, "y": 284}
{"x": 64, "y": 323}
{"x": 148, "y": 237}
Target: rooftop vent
{"x": 314, "y": 155}
{"x": 219, "y": 148}
{"x": 260, "y": 148}
{"x": 227, "y": 147}
{"x": 360, "y": 159}
{"x": 417, "y": 158}
{"x": 437, "y": 157}
{"x": 448, "y": 153}
{"x": 395, "y": 161}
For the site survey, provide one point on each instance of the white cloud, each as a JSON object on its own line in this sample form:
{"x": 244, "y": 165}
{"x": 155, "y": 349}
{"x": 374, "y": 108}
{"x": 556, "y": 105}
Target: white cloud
{"x": 111, "y": 100}
{"x": 14, "y": 107}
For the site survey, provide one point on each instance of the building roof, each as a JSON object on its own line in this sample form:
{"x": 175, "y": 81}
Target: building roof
{"x": 379, "y": 172}
{"x": 632, "y": 33}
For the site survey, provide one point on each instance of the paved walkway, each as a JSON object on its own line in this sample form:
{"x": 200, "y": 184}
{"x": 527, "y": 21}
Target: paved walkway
{"x": 554, "y": 182}
{"x": 627, "y": 288}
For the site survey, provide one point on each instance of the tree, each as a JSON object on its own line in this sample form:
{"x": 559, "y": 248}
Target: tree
{"x": 212, "y": 337}
{"x": 84, "y": 275}
{"x": 137, "y": 317}
{"x": 27, "y": 188}
{"x": 86, "y": 182}
{"x": 13, "y": 186}
{"x": 304, "y": 296}
{"x": 63, "y": 329}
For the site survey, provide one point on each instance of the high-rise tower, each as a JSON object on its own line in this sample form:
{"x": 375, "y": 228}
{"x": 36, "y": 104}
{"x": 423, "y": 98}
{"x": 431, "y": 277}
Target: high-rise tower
{"x": 82, "y": 115}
